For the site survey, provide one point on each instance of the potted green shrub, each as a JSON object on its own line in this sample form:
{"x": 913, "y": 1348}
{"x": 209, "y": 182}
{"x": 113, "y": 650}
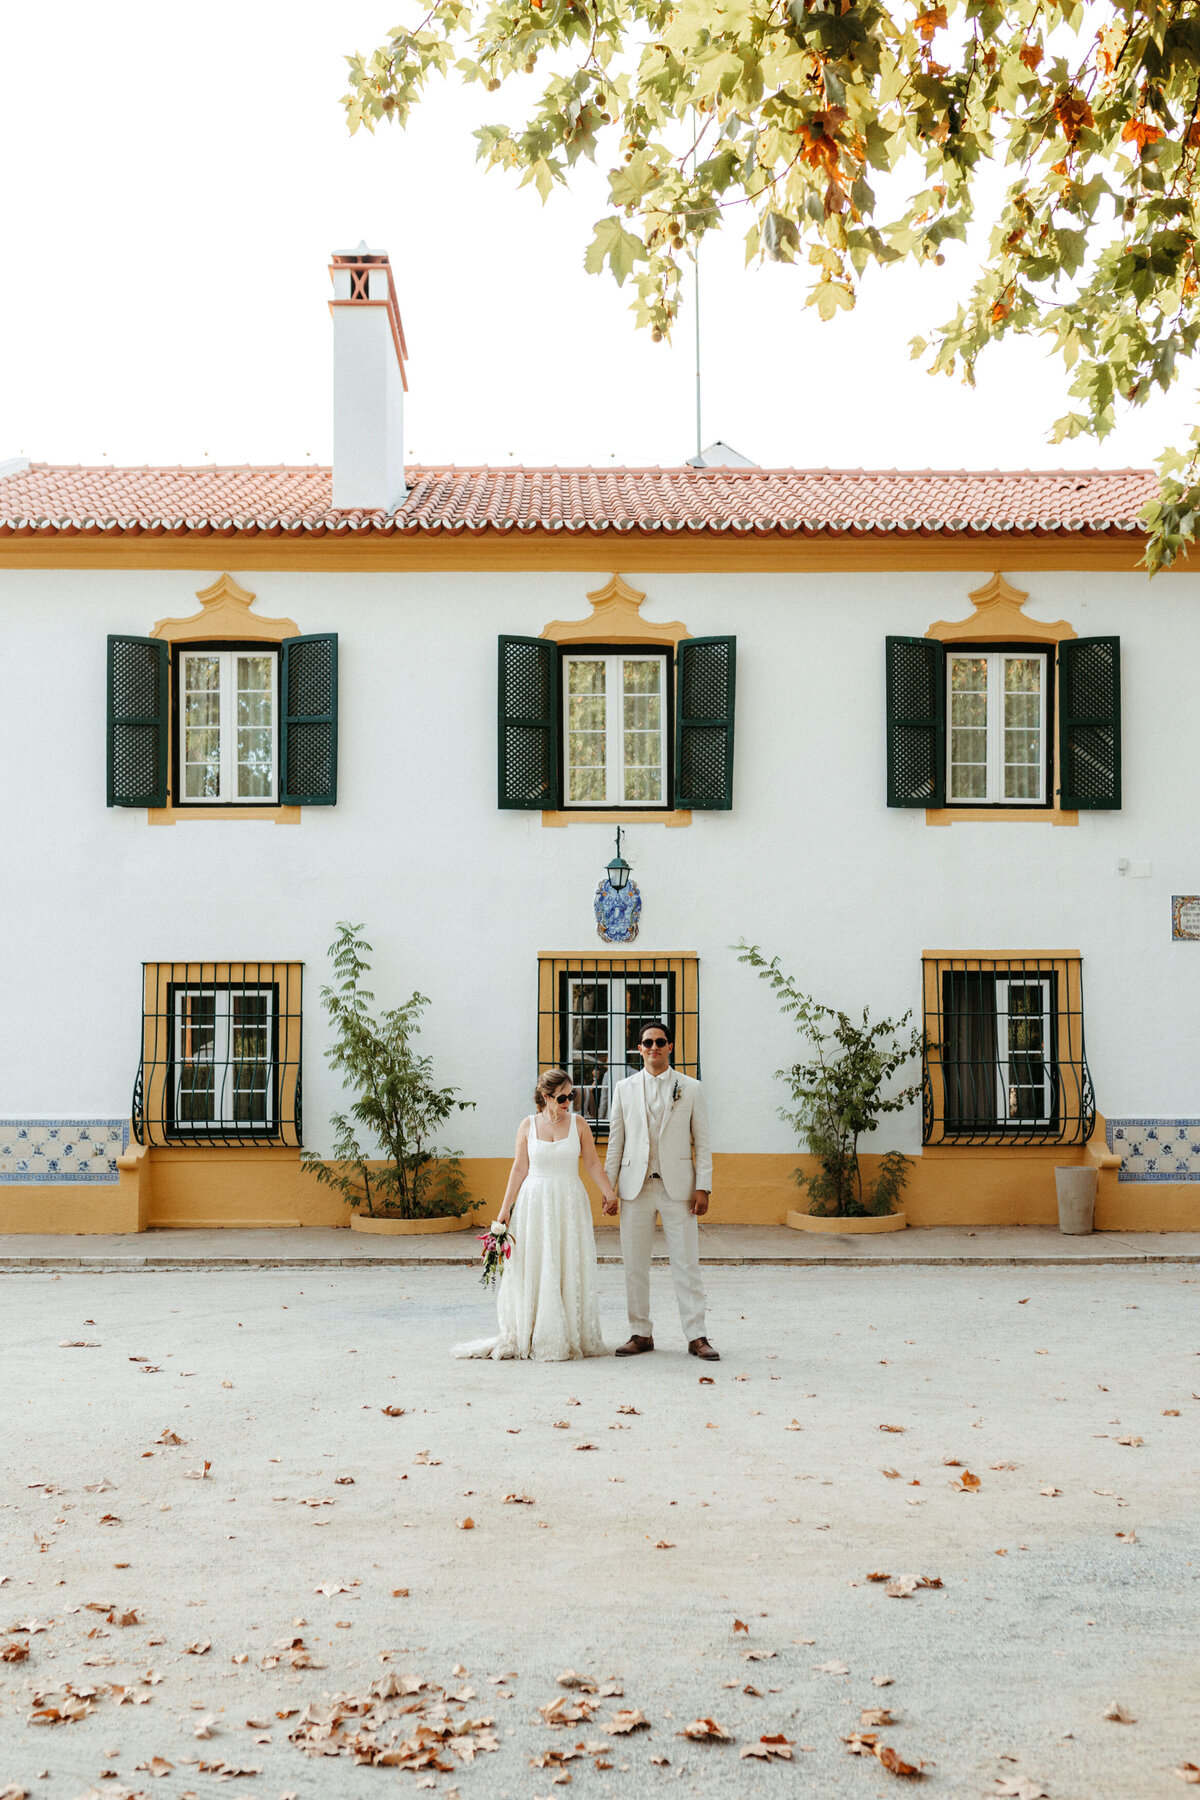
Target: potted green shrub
{"x": 413, "y": 1186}
{"x": 838, "y": 1095}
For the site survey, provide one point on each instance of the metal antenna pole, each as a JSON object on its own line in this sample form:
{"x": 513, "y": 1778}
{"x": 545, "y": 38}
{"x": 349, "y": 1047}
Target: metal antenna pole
{"x": 696, "y": 269}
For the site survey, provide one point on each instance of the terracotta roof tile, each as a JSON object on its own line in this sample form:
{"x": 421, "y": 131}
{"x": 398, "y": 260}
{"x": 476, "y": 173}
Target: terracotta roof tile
{"x": 50, "y": 499}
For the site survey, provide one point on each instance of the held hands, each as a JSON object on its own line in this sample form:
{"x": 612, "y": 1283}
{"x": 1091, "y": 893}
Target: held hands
{"x": 698, "y": 1204}
{"x": 609, "y": 1204}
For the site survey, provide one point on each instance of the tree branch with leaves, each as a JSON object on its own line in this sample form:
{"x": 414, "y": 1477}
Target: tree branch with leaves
{"x": 787, "y": 114}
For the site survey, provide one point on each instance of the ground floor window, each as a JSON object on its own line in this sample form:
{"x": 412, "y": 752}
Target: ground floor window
{"x": 220, "y": 1058}
{"x": 1004, "y": 1057}
{"x": 590, "y": 1015}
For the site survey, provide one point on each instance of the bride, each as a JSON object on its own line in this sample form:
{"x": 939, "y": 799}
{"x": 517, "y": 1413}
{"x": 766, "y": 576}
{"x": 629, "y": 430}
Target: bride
{"x": 547, "y": 1307}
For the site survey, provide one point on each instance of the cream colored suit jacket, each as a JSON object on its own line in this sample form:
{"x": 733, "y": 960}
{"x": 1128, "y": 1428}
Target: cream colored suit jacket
{"x": 684, "y": 1152}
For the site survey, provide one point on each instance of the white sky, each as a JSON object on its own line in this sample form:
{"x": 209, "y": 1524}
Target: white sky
{"x": 175, "y": 178}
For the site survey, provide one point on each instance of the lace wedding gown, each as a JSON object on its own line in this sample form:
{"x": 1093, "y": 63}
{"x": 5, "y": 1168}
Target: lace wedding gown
{"x": 547, "y": 1307}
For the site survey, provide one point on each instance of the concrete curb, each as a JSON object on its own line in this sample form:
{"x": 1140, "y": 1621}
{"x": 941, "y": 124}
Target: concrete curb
{"x": 34, "y": 1265}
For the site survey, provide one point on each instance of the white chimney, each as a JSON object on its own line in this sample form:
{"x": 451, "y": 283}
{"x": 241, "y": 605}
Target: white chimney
{"x": 368, "y": 383}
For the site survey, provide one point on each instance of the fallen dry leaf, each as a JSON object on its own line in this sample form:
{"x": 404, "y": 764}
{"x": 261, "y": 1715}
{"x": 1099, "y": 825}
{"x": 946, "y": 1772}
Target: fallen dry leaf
{"x": 203, "y": 1728}
{"x": 519, "y": 1500}
{"x": 197, "y": 1474}
{"x": 706, "y": 1731}
{"x": 1189, "y": 1772}
{"x": 893, "y": 1428}
{"x": 892, "y": 1474}
{"x": 393, "y": 1412}
{"x": 201, "y": 1647}
{"x": 794, "y": 1426}
{"x": 343, "y": 1481}
{"x": 902, "y": 1586}
{"x": 103, "y": 1486}
{"x": 741, "y": 1625}
{"x": 399, "y": 1593}
{"x": 78, "y": 1344}
{"x": 895, "y": 1765}
{"x": 14, "y": 1653}
{"x": 768, "y": 1746}
{"x": 1127, "y": 1537}
{"x": 170, "y": 1437}
{"x": 706, "y": 1381}
{"x": 662, "y": 1544}
{"x": 570, "y": 1678}
{"x": 662, "y": 1762}
{"x": 587, "y": 1446}
{"x": 1130, "y": 1442}
{"x": 628, "y": 1409}
{"x": 332, "y": 1587}
{"x": 1051, "y": 1493}
{"x": 1118, "y": 1714}
{"x": 876, "y": 1715}
{"x": 109, "y": 1519}
{"x": 831, "y": 1668}
{"x": 967, "y": 1483}
{"x": 156, "y": 1765}
{"x": 883, "y": 1680}
{"x": 627, "y": 1719}
{"x": 467, "y": 1524}
{"x": 878, "y": 1575}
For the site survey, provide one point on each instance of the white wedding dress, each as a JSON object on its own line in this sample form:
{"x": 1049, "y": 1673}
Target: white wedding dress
{"x": 547, "y": 1308}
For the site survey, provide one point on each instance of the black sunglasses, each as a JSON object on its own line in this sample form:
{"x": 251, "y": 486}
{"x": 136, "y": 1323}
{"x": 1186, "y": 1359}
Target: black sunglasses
{"x": 655, "y": 1043}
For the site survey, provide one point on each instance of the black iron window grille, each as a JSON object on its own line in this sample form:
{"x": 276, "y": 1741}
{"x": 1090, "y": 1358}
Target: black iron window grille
{"x": 220, "y": 1060}
{"x": 1004, "y": 1058}
{"x": 591, "y": 1010}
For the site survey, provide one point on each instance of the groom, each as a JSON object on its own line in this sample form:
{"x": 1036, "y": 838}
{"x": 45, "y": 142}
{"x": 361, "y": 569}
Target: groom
{"x": 659, "y": 1160}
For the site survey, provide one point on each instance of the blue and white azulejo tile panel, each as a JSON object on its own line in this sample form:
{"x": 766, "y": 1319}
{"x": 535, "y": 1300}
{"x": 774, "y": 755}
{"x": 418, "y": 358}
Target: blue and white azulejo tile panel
{"x": 1156, "y": 1149}
{"x": 54, "y": 1151}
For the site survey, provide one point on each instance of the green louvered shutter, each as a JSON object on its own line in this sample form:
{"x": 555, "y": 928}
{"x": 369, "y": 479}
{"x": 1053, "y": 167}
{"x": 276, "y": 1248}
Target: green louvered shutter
{"x": 308, "y": 740}
{"x": 137, "y": 721}
{"x": 916, "y": 722}
{"x": 705, "y": 683}
{"x": 1089, "y": 723}
{"x": 527, "y": 717}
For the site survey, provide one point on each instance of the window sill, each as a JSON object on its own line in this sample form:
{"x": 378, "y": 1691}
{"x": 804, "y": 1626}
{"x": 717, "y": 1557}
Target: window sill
{"x": 994, "y": 815}
{"x": 629, "y": 815}
{"x": 266, "y": 815}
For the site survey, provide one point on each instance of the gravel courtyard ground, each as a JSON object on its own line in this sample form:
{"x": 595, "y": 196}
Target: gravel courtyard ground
{"x": 1068, "y": 1574}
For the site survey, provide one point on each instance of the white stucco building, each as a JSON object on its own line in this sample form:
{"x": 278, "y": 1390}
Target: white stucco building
{"x": 930, "y": 737}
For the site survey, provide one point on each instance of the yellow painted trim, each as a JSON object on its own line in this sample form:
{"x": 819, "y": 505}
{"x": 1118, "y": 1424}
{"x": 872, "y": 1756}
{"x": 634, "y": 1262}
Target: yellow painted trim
{"x": 633, "y": 816}
{"x": 265, "y": 815}
{"x": 656, "y": 553}
{"x": 225, "y": 612}
{"x": 615, "y": 618}
{"x": 990, "y": 815}
{"x": 269, "y": 1189}
{"x": 999, "y": 618}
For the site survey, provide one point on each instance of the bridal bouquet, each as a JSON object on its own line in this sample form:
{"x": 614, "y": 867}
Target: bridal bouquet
{"x": 497, "y": 1243}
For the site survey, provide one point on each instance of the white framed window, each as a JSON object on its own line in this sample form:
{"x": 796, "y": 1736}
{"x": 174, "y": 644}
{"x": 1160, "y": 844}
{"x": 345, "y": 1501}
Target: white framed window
{"x": 228, "y": 726}
{"x": 996, "y": 707}
{"x": 603, "y": 1015}
{"x": 223, "y": 1054}
{"x": 1024, "y": 1064}
{"x": 615, "y": 731}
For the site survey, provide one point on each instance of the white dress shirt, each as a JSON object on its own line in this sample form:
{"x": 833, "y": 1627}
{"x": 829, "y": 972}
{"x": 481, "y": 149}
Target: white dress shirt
{"x": 658, "y": 1095}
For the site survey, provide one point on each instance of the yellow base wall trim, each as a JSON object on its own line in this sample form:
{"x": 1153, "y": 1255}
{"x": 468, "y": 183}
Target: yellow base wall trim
{"x": 208, "y": 1189}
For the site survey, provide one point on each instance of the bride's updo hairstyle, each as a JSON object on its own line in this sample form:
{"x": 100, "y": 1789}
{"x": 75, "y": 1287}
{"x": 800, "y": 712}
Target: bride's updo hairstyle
{"x": 551, "y": 1082}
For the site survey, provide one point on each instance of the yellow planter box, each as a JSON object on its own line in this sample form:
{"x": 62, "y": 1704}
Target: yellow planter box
{"x": 407, "y": 1227}
{"x": 896, "y": 1221}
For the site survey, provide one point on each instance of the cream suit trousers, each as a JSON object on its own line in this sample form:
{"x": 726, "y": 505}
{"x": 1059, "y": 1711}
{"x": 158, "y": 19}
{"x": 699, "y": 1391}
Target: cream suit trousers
{"x": 681, "y": 1230}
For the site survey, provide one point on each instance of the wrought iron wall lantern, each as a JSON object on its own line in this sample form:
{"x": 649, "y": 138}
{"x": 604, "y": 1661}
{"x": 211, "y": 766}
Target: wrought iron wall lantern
{"x": 618, "y": 905}
{"x": 619, "y": 870}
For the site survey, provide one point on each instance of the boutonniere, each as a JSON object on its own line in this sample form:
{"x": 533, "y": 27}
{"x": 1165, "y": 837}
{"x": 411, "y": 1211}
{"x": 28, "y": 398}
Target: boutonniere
{"x": 675, "y": 1093}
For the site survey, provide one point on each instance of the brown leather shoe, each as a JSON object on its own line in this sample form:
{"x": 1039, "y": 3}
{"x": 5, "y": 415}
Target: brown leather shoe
{"x": 702, "y": 1348}
{"x": 637, "y": 1346}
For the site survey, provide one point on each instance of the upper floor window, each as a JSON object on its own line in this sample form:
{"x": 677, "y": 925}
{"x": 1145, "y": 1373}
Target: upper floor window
{"x": 228, "y": 726}
{"x": 997, "y": 704}
{"x": 587, "y": 726}
{"x": 615, "y": 729}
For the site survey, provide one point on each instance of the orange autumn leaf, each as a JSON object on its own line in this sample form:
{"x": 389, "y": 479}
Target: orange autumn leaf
{"x": 1031, "y": 55}
{"x": 1073, "y": 113}
{"x": 1138, "y": 132}
{"x": 931, "y": 21}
